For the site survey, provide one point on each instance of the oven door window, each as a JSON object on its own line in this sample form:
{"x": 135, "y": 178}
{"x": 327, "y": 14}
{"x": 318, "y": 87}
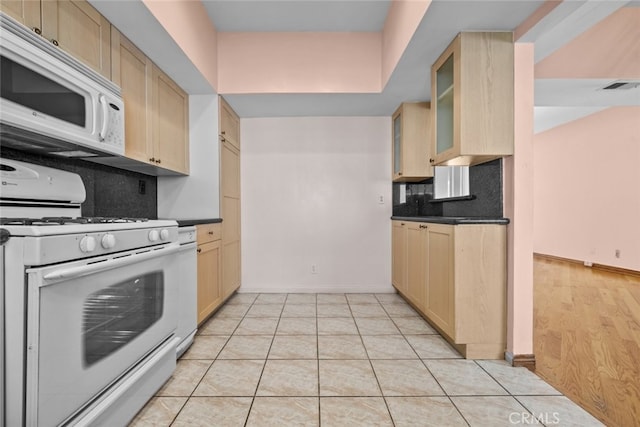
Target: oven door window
{"x": 37, "y": 92}
{"x": 116, "y": 315}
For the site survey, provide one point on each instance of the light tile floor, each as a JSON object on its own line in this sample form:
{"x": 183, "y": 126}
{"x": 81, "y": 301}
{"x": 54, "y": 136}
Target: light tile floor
{"x": 343, "y": 360}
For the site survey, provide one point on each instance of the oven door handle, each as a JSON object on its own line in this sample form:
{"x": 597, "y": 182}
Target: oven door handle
{"x": 109, "y": 264}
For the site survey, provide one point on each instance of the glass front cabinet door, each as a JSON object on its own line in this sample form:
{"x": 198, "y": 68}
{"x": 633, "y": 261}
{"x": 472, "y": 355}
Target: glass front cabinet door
{"x": 472, "y": 99}
{"x": 411, "y": 140}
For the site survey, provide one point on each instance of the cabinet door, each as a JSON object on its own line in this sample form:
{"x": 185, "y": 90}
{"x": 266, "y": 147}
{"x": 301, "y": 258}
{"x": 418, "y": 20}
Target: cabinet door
{"x": 416, "y": 262}
{"x": 209, "y": 293}
{"x": 230, "y": 165}
{"x": 230, "y": 208}
{"x": 231, "y": 268}
{"x": 229, "y": 124}
{"x": 397, "y": 144}
{"x": 80, "y": 30}
{"x": 131, "y": 70}
{"x": 472, "y": 99}
{"x": 399, "y": 256}
{"x": 27, "y": 12}
{"x": 440, "y": 277}
{"x": 230, "y": 245}
{"x": 412, "y": 142}
{"x": 170, "y": 123}
{"x": 444, "y": 106}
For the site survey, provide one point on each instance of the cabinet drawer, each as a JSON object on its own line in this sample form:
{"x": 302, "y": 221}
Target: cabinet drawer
{"x": 208, "y": 232}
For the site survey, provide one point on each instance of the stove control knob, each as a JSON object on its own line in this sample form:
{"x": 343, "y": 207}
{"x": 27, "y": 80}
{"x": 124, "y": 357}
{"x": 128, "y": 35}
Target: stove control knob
{"x": 108, "y": 241}
{"x": 87, "y": 244}
{"x": 154, "y": 236}
{"x": 164, "y": 234}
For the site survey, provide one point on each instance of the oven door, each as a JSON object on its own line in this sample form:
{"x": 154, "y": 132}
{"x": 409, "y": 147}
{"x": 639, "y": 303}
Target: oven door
{"x": 90, "y": 321}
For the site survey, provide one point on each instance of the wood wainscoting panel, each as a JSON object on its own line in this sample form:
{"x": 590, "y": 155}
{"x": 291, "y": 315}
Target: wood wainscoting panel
{"x": 587, "y": 337}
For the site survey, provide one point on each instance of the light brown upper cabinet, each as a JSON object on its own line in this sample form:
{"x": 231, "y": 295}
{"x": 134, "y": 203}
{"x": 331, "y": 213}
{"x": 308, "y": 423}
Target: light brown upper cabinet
{"x": 472, "y": 99}
{"x": 411, "y": 136}
{"x": 156, "y": 110}
{"x": 229, "y": 124}
{"x": 170, "y": 124}
{"x": 75, "y": 26}
{"x": 132, "y": 72}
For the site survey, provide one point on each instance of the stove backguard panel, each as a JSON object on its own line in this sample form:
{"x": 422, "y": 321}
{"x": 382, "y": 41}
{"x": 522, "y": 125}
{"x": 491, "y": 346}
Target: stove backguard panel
{"x": 111, "y": 192}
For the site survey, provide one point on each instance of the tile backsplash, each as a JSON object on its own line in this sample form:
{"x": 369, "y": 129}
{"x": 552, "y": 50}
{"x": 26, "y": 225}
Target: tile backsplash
{"x": 110, "y": 191}
{"x": 485, "y": 183}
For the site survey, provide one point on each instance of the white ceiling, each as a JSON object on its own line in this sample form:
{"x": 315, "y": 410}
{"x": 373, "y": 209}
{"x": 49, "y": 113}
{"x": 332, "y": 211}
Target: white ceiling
{"x": 410, "y": 80}
{"x": 301, "y": 15}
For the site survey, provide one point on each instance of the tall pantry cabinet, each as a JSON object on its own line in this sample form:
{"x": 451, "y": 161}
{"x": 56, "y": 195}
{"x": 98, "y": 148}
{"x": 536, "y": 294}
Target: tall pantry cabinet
{"x": 230, "y": 197}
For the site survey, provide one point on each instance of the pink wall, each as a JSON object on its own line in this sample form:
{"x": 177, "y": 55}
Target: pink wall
{"x": 587, "y": 194}
{"x": 299, "y": 62}
{"x": 518, "y": 206}
{"x": 535, "y": 18}
{"x": 403, "y": 19}
{"x": 188, "y": 24}
{"x": 609, "y": 49}
{"x": 302, "y": 62}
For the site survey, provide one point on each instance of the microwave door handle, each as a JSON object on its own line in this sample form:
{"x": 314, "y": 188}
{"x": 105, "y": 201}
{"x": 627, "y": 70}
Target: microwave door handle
{"x": 84, "y": 270}
{"x": 105, "y": 117}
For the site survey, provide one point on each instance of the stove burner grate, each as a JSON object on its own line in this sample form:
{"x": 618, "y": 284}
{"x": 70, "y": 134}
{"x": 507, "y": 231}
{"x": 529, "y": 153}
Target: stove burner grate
{"x": 69, "y": 220}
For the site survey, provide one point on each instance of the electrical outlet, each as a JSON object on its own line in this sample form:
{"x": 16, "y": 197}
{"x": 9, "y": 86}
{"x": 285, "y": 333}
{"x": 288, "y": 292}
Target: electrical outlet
{"x": 617, "y": 253}
{"x": 381, "y": 199}
{"x": 142, "y": 186}
{"x": 314, "y": 269}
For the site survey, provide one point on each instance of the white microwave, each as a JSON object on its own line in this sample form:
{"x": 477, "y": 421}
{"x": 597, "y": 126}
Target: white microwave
{"x": 52, "y": 103}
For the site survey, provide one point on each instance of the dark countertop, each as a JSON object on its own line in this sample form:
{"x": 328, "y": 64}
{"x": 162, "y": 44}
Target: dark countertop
{"x": 454, "y": 220}
{"x": 189, "y": 222}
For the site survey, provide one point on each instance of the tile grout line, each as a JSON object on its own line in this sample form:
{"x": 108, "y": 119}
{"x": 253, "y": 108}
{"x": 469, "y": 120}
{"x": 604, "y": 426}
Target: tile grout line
{"x": 429, "y": 370}
{"x": 318, "y": 363}
{"x": 266, "y": 358}
{"x": 212, "y": 362}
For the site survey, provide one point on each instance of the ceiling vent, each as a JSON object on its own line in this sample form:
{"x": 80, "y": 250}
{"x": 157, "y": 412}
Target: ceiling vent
{"x": 623, "y": 85}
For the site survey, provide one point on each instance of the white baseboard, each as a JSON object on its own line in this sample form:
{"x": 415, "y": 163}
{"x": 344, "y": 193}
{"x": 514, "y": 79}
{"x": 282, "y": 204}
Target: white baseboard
{"x": 323, "y": 289}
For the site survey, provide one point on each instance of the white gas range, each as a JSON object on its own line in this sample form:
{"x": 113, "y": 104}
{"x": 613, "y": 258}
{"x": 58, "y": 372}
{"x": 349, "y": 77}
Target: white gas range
{"x": 90, "y": 304}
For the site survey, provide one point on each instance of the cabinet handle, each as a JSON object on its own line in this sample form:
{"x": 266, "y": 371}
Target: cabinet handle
{"x": 152, "y": 159}
{"x": 400, "y": 173}
{"x": 158, "y": 161}
{"x": 402, "y": 224}
{"x": 199, "y": 250}
{"x": 432, "y": 161}
{"x": 37, "y": 30}
{"x": 55, "y": 42}
{"x": 222, "y": 133}
{"x": 423, "y": 226}
{"x": 210, "y": 233}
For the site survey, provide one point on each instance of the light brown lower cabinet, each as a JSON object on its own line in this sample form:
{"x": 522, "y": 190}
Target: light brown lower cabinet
{"x": 456, "y": 279}
{"x": 209, "y": 269}
{"x": 399, "y": 255}
{"x": 416, "y": 252}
